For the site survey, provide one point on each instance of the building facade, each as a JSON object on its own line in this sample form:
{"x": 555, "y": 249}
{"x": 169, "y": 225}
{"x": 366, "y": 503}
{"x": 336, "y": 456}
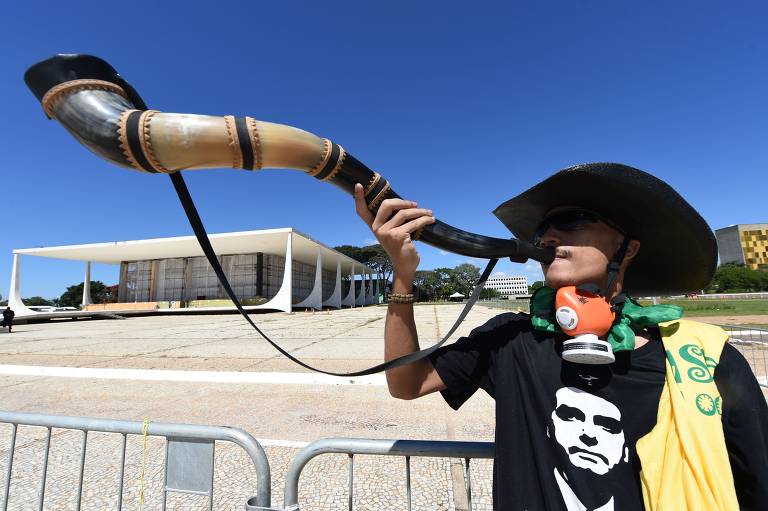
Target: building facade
{"x": 743, "y": 244}
{"x": 508, "y": 286}
{"x": 278, "y": 269}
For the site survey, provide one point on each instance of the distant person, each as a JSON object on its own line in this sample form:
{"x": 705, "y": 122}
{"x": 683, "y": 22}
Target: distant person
{"x": 8, "y": 316}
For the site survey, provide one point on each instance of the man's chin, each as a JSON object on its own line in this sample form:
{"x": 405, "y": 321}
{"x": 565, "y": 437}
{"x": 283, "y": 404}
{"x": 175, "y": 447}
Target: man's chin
{"x": 555, "y": 281}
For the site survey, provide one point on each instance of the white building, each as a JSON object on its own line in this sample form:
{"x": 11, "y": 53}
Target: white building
{"x": 508, "y": 285}
{"x": 278, "y": 269}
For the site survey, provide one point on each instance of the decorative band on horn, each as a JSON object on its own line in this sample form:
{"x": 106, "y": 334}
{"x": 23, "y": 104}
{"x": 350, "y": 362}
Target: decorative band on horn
{"x": 332, "y": 165}
{"x": 376, "y": 191}
{"x": 253, "y": 135}
{"x": 131, "y": 136}
{"x": 327, "y": 144}
{"x": 373, "y": 182}
{"x": 234, "y": 141}
{"x": 146, "y": 141}
{"x": 57, "y": 92}
{"x": 377, "y": 200}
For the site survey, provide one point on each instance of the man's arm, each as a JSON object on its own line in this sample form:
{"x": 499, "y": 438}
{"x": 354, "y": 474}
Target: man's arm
{"x": 392, "y": 226}
{"x": 745, "y": 425}
{"x": 401, "y": 338}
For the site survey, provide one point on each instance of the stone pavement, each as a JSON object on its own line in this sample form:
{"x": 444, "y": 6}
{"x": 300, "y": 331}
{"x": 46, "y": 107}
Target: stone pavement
{"x": 339, "y": 340}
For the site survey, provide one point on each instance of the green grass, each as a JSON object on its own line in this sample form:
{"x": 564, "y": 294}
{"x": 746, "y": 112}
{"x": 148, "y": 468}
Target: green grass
{"x": 693, "y": 308}
{"x": 699, "y": 307}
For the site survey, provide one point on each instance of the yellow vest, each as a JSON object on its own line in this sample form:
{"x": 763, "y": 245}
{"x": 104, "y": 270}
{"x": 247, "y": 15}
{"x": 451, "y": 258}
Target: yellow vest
{"x": 684, "y": 459}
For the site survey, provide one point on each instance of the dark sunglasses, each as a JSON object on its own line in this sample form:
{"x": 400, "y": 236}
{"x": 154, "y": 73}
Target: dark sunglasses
{"x": 569, "y": 220}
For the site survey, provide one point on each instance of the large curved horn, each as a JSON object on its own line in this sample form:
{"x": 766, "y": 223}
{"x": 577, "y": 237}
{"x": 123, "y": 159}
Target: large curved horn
{"x": 101, "y": 110}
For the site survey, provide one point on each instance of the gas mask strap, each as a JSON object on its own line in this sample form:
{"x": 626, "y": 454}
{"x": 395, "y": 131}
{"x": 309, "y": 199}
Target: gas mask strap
{"x": 615, "y": 265}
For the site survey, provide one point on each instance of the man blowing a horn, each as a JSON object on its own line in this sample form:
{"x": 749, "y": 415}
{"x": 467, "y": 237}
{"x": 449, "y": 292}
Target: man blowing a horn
{"x": 651, "y": 412}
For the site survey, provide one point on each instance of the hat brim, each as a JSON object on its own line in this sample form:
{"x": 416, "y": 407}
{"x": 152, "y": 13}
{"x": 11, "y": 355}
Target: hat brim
{"x": 678, "y": 251}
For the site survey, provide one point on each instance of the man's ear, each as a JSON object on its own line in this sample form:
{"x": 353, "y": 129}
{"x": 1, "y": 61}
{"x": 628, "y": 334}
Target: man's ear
{"x": 632, "y": 249}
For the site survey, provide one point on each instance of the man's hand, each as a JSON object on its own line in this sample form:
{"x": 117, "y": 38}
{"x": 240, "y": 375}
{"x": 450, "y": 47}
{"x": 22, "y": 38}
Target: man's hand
{"x": 393, "y": 225}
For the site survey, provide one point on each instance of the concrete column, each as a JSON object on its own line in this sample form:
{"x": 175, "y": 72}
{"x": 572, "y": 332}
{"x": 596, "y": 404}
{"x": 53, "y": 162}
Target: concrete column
{"x": 283, "y": 300}
{"x": 335, "y": 299}
{"x": 360, "y": 299}
{"x": 14, "y": 295}
{"x": 87, "y": 285}
{"x": 315, "y": 298}
{"x": 369, "y": 294}
{"x": 349, "y": 300}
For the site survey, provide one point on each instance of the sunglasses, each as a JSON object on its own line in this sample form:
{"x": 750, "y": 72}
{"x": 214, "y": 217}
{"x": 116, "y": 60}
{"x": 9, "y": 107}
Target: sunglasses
{"x": 569, "y": 220}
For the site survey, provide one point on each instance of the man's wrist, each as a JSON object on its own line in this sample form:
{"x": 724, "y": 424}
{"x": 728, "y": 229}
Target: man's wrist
{"x": 402, "y": 282}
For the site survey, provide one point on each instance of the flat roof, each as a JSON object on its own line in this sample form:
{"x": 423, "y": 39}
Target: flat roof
{"x": 270, "y": 241}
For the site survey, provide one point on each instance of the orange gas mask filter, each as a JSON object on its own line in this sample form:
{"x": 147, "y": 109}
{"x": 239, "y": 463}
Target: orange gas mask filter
{"x": 586, "y": 317}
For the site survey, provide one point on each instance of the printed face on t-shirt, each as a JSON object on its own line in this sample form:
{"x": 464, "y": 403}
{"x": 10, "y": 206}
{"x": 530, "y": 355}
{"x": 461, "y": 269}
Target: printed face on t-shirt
{"x": 589, "y": 429}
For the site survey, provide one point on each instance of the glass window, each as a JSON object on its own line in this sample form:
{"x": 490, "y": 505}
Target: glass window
{"x": 138, "y": 279}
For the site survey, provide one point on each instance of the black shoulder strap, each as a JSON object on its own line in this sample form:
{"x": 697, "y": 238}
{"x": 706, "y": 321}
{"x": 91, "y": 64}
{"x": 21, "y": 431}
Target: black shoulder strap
{"x": 205, "y": 244}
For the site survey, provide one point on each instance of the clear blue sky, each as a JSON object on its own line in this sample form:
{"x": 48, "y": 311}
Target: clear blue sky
{"x": 460, "y": 105}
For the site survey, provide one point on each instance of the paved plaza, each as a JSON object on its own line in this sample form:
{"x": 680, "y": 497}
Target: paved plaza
{"x": 211, "y": 369}
{"x": 214, "y": 369}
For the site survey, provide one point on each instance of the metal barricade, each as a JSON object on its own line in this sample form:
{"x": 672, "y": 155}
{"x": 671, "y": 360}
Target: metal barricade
{"x": 752, "y": 342}
{"x": 404, "y": 448}
{"x": 189, "y": 454}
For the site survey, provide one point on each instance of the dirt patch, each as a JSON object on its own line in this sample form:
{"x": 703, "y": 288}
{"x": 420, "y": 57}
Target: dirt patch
{"x": 755, "y": 319}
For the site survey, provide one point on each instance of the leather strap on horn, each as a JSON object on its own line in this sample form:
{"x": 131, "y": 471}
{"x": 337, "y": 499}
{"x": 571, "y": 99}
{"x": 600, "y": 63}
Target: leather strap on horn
{"x": 132, "y": 133}
{"x": 333, "y": 160}
{"x": 205, "y": 243}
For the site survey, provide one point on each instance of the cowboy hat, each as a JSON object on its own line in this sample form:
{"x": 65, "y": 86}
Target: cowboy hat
{"x": 678, "y": 251}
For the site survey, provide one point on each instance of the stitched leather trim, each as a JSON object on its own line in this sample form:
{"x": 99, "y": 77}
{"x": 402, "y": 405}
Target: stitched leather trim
{"x": 253, "y": 133}
{"x": 373, "y": 182}
{"x": 330, "y": 163}
{"x": 324, "y": 160}
{"x": 122, "y": 134}
{"x": 337, "y": 168}
{"x": 379, "y": 197}
{"x": 146, "y": 142}
{"x": 234, "y": 143}
{"x": 57, "y": 92}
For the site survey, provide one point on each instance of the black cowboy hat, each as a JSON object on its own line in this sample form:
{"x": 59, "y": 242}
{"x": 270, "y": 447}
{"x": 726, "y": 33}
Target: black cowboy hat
{"x": 678, "y": 251}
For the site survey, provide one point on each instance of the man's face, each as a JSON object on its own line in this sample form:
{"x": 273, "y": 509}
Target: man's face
{"x": 589, "y": 429}
{"x": 582, "y": 253}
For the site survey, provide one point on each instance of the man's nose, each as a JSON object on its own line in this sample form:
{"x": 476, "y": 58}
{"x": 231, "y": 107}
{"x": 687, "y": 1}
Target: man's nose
{"x": 550, "y": 238}
{"x": 587, "y": 440}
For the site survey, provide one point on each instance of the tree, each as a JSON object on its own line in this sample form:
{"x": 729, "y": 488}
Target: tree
{"x": 73, "y": 296}
{"x": 487, "y": 293}
{"x": 464, "y": 277}
{"x": 428, "y": 284}
{"x": 350, "y": 251}
{"x": 372, "y": 255}
{"x": 536, "y": 285}
{"x": 378, "y": 259}
{"x": 444, "y": 282}
{"x": 732, "y": 278}
{"x": 36, "y": 300}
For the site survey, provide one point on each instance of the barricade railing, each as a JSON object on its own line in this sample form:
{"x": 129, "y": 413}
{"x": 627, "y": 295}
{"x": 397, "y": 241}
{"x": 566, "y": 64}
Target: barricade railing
{"x": 403, "y": 448}
{"x": 189, "y": 454}
{"x": 752, "y": 342}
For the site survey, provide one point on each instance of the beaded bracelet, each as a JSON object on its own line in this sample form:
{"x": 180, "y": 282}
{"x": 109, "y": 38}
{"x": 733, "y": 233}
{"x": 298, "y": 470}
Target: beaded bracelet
{"x": 401, "y": 298}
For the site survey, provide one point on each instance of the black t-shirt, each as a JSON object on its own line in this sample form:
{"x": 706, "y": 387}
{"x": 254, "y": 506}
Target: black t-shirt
{"x": 566, "y": 433}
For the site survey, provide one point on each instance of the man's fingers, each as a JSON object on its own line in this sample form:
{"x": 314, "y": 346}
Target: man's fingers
{"x": 361, "y": 207}
{"x": 404, "y": 215}
{"x": 415, "y": 225}
{"x": 388, "y": 208}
